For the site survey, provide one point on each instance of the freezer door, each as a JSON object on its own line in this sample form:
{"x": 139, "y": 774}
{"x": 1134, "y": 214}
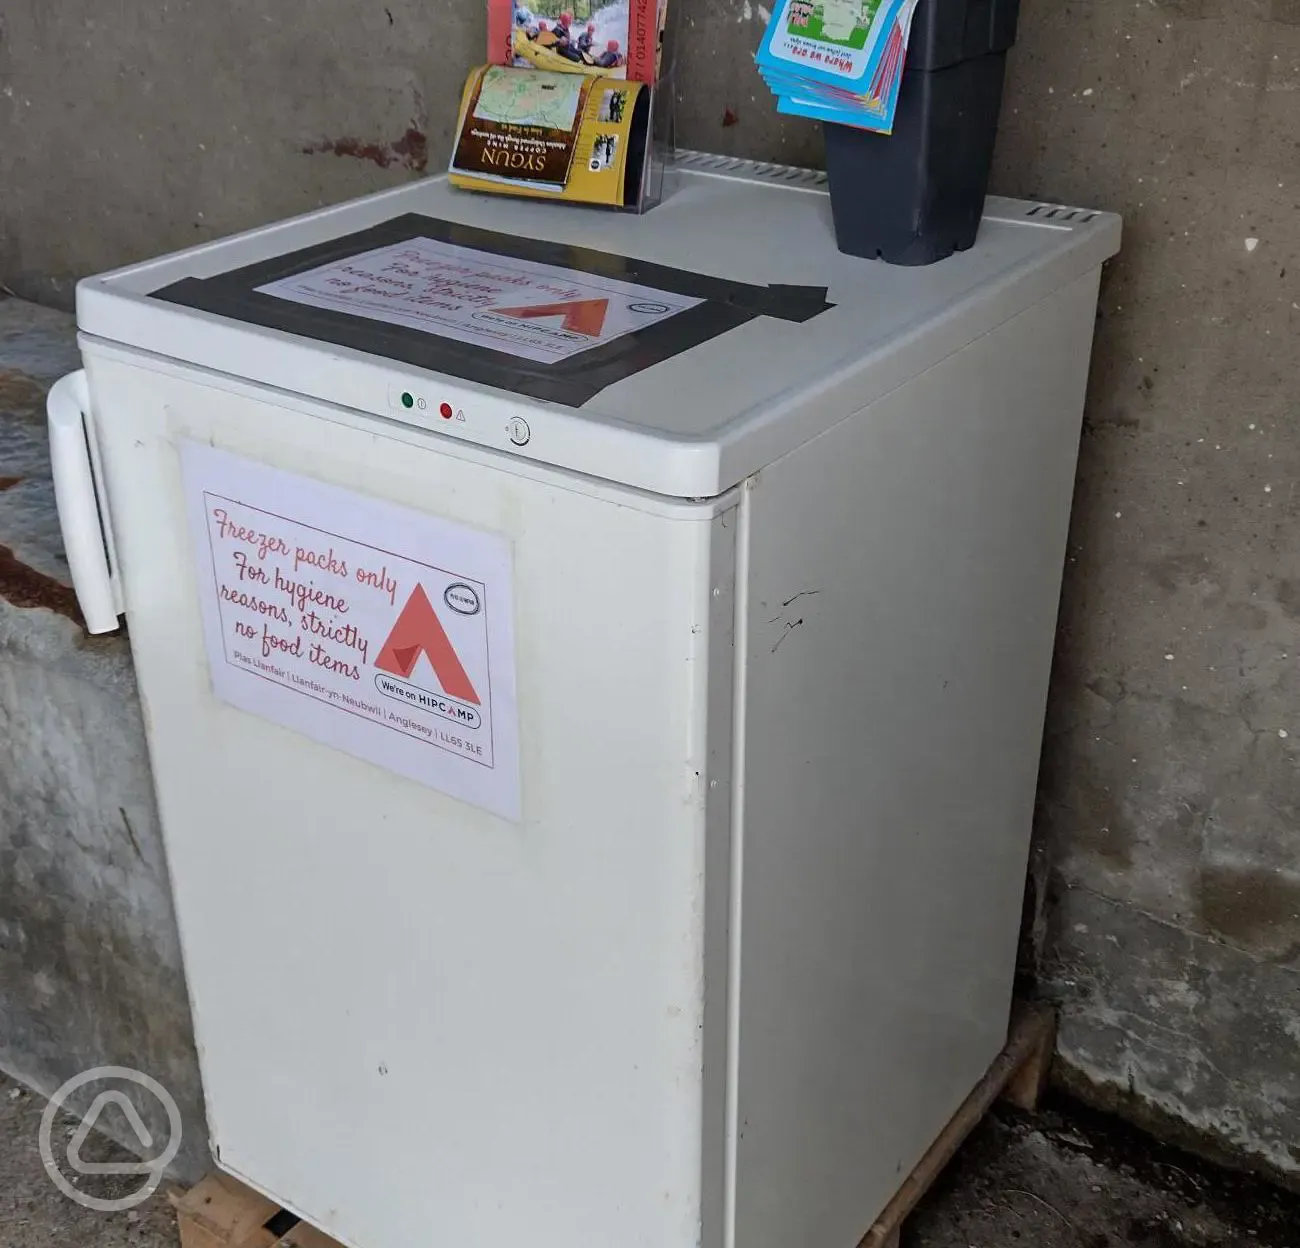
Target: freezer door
{"x": 421, "y": 1021}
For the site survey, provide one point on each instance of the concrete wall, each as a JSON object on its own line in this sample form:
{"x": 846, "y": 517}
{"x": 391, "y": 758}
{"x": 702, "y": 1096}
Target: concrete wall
{"x": 90, "y": 969}
{"x": 1166, "y": 912}
{"x": 1170, "y": 790}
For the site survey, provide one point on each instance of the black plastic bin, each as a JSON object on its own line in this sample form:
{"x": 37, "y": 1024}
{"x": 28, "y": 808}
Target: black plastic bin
{"x": 916, "y": 196}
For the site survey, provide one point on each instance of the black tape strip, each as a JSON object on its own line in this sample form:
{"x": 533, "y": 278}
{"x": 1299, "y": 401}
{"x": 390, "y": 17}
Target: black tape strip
{"x": 572, "y": 382}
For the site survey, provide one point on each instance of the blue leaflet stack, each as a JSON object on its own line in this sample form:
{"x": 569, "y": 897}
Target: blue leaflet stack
{"x": 837, "y": 60}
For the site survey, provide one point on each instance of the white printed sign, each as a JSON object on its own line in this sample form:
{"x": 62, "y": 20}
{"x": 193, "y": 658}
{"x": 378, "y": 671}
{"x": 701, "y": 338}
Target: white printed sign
{"x": 538, "y": 311}
{"x": 372, "y": 628}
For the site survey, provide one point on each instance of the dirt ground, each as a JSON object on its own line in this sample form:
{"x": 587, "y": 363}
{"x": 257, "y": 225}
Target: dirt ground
{"x": 1069, "y": 1178}
{"x": 34, "y": 1214}
{"x": 1064, "y": 1178}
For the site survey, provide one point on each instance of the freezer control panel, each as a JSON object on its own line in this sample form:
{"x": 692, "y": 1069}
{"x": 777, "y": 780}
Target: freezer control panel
{"x": 410, "y": 400}
{"x": 436, "y": 407}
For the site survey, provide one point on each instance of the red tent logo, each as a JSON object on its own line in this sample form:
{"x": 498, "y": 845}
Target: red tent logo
{"x": 581, "y": 316}
{"x": 419, "y": 631}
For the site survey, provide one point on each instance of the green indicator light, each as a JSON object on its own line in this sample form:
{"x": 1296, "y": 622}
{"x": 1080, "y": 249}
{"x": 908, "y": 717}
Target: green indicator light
{"x": 407, "y": 399}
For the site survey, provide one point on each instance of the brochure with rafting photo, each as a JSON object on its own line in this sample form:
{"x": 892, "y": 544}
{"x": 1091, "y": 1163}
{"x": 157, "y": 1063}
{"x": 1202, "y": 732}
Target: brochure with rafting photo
{"x": 565, "y": 107}
{"x": 619, "y": 39}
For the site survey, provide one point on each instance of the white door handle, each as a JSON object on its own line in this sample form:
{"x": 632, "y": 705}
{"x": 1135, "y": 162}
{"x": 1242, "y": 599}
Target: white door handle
{"x": 74, "y": 492}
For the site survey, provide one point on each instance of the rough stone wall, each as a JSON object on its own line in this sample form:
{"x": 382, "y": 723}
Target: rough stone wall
{"x": 1170, "y": 788}
{"x": 90, "y": 968}
{"x": 1167, "y": 910}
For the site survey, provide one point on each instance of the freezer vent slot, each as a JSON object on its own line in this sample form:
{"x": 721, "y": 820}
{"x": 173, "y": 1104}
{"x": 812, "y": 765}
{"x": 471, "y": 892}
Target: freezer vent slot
{"x": 1060, "y": 214}
{"x": 754, "y": 170}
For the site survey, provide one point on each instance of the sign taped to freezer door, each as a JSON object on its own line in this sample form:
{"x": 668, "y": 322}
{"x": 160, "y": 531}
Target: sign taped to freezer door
{"x": 370, "y": 627}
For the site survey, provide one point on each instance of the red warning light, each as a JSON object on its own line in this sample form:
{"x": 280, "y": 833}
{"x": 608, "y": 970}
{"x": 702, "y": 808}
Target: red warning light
{"x": 444, "y": 409}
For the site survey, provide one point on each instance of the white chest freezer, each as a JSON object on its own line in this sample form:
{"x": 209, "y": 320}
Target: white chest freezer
{"x": 594, "y": 669}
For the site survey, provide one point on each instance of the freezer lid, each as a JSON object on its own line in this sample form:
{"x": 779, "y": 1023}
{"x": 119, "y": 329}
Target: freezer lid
{"x": 676, "y": 352}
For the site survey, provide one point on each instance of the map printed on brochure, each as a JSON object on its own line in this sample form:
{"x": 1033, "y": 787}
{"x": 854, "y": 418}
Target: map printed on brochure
{"x": 520, "y": 127}
{"x": 838, "y": 60}
{"x": 532, "y": 132}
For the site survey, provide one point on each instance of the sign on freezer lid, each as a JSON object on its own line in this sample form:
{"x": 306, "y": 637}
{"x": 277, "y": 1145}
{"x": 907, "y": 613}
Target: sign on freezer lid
{"x": 369, "y": 627}
{"x": 538, "y": 311}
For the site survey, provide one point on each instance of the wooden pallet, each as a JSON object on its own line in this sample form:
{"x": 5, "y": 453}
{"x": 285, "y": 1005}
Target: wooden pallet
{"x": 220, "y": 1212}
{"x": 1019, "y": 1074}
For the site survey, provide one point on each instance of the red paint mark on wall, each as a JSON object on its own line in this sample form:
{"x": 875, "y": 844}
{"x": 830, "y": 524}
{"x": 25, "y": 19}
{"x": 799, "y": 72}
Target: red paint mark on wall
{"x": 411, "y": 151}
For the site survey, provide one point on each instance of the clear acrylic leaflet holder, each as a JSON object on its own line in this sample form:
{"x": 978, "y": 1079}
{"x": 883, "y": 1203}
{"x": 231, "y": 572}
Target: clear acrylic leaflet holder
{"x": 660, "y": 140}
